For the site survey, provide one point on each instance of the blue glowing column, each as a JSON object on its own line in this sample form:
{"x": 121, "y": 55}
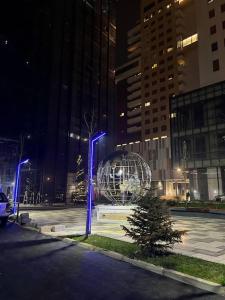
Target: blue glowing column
{"x": 17, "y": 183}
{"x": 92, "y": 142}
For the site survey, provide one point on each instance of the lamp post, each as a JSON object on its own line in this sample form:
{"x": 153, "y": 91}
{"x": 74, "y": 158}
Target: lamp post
{"x": 17, "y": 183}
{"x": 92, "y": 140}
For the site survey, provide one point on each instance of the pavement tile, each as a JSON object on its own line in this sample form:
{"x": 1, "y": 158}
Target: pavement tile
{"x": 205, "y": 237}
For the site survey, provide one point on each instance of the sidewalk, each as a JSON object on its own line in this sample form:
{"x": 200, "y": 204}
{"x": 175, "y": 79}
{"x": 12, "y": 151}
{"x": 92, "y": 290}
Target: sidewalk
{"x": 205, "y": 237}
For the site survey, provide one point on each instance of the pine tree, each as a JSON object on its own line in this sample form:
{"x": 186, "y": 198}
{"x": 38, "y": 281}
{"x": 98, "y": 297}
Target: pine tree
{"x": 152, "y": 227}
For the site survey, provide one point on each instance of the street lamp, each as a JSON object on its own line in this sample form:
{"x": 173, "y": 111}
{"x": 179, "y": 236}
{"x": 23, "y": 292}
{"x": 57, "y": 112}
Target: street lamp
{"x": 16, "y": 189}
{"x": 92, "y": 141}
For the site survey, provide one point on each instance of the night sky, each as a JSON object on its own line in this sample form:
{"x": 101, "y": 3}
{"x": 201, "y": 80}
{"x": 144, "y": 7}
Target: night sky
{"x": 122, "y": 10}
{"x": 18, "y": 75}
{"x": 16, "y": 41}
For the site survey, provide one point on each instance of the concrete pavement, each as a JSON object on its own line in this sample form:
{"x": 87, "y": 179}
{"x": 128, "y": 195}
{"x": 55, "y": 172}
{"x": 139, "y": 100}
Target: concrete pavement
{"x": 205, "y": 236}
{"x": 34, "y": 266}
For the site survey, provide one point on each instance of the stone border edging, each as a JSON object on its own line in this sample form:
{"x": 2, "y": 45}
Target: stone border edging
{"x": 211, "y": 211}
{"x": 181, "y": 277}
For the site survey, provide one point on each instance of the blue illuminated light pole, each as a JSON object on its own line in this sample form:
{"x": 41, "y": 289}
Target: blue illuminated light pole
{"x": 92, "y": 141}
{"x": 16, "y": 188}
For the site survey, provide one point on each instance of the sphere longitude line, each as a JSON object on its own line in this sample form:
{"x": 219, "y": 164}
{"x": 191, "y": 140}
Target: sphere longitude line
{"x": 124, "y": 178}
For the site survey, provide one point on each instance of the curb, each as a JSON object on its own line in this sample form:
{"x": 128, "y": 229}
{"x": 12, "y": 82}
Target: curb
{"x": 181, "y": 277}
{"x": 210, "y": 212}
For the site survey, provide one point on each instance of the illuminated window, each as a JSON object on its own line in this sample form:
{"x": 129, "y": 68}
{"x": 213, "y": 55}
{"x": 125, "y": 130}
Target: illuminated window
{"x": 154, "y": 66}
{"x": 169, "y": 49}
{"x": 173, "y": 115}
{"x": 181, "y": 62}
{"x": 188, "y": 41}
{"x": 147, "y": 104}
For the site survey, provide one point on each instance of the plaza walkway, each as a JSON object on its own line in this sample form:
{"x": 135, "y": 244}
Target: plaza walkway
{"x": 205, "y": 236}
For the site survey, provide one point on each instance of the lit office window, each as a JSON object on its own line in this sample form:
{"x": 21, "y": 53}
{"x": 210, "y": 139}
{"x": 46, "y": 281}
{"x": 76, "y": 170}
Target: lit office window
{"x": 188, "y": 41}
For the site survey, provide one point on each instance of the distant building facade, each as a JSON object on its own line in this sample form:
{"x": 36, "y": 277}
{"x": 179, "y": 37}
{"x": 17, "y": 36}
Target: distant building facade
{"x": 198, "y": 139}
{"x": 8, "y": 162}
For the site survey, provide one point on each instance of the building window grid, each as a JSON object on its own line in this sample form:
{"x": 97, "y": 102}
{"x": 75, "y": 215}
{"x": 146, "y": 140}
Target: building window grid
{"x": 213, "y": 29}
{"x": 212, "y": 13}
{"x": 223, "y": 7}
{"x": 204, "y": 95}
{"x": 214, "y": 46}
{"x": 216, "y": 65}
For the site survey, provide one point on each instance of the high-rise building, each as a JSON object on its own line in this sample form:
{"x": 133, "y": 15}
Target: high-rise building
{"x": 81, "y": 81}
{"x": 169, "y": 60}
{"x": 182, "y": 49}
{"x": 210, "y": 16}
{"x": 128, "y": 81}
{"x": 128, "y": 65}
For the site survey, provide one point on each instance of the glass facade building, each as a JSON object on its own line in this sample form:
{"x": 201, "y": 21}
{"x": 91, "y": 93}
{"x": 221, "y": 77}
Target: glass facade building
{"x": 76, "y": 79}
{"x": 198, "y": 139}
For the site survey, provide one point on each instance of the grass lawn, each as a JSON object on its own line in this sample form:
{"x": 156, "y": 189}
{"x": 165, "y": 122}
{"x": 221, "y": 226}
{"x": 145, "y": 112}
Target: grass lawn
{"x": 192, "y": 266}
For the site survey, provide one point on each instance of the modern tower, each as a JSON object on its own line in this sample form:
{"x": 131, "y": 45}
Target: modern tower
{"x": 80, "y": 85}
{"x": 181, "y": 49}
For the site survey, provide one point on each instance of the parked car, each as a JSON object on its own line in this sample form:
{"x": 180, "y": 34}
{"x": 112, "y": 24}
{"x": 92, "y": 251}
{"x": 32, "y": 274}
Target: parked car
{"x": 220, "y": 198}
{"x": 5, "y": 209}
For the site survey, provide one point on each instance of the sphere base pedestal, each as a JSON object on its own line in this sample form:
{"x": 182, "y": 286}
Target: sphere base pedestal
{"x": 113, "y": 213}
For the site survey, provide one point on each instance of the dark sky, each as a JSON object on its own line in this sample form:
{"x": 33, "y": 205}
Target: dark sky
{"x": 16, "y": 21}
{"x": 129, "y": 10}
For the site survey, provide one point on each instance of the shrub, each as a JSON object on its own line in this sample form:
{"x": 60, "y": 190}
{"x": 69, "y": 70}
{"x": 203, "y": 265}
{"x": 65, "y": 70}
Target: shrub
{"x": 152, "y": 227}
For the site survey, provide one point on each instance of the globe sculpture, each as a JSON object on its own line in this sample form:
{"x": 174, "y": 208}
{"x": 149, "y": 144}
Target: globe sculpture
{"x": 123, "y": 177}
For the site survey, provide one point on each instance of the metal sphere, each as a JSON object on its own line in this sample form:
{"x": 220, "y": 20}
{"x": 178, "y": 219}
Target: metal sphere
{"x": 123, "y": 177}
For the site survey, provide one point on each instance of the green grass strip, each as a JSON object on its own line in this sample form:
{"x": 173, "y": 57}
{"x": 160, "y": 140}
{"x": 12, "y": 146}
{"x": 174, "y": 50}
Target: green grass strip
{"x": 185, "y": 264}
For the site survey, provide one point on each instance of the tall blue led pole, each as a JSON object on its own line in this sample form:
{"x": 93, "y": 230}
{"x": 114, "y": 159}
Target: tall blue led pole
{"x": 17, "y": 183}
{"x": 92, "y": 141}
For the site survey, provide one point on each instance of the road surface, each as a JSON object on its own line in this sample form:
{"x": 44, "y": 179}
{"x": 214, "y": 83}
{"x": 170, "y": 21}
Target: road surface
{"x": 37, "y": 267}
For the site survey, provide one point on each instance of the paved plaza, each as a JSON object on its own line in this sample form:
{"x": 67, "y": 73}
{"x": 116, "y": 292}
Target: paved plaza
{"x": 205, "y": 236}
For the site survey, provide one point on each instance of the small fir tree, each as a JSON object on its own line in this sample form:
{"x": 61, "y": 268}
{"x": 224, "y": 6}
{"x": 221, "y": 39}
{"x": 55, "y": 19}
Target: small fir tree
{"x": 152, "y": 227}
